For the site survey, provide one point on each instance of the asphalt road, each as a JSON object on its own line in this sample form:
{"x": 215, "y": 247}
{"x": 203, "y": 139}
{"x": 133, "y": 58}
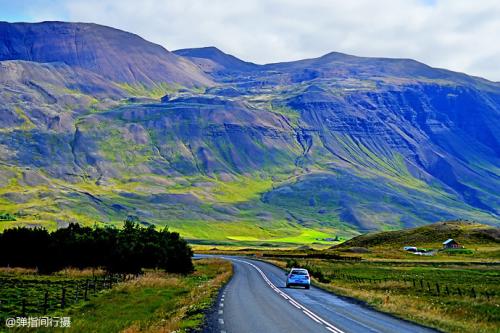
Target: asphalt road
{"x": 256, "y": 301}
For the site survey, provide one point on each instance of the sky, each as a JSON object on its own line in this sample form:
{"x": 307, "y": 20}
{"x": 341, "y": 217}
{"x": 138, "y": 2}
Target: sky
{"x": 461, "y": 35}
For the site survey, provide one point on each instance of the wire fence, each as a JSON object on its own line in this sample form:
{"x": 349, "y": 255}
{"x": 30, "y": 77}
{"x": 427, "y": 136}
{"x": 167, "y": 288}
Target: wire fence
{"x": 28, "y": 297}
{"x": 419, "y": 285}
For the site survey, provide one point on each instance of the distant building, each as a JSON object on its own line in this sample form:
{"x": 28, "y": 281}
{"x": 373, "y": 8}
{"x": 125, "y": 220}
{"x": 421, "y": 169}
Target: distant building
{"x": 451, "y": 244}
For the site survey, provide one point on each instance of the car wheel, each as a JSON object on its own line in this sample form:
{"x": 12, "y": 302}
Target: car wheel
{"x": 307, "y": 287}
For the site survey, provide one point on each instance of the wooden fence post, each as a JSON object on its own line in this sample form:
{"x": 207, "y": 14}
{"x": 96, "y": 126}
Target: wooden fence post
{"x": 85, "y": 298}
{"x": 76, "y": 292}
{"x": 23, "y": 309}
{"x": 63, "y": 298}
{"x": 46, "y": 302}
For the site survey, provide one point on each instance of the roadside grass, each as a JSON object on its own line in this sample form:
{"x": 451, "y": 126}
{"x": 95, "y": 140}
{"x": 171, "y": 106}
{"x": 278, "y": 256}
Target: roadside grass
{"x": 76, "y": 273}
{"x": 409, "y": 290}
{"x": 6, "y": 271}
{"x": 18, "y": 285}
{"x": 154, "y": 302}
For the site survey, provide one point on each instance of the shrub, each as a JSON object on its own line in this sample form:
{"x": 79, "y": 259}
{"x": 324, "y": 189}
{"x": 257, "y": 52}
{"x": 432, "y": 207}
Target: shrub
{"x": 290, "y": 263}
{"x": 458, "y": 251}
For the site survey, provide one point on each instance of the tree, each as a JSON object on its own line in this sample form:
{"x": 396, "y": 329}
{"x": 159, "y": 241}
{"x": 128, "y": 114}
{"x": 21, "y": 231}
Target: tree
{"x": 126, "y": 250}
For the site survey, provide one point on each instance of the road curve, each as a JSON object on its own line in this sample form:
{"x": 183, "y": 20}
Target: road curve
{"x": 256, "y": 301}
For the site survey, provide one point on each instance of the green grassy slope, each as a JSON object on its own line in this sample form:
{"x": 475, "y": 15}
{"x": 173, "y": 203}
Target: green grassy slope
{"x": 466, "y": 233}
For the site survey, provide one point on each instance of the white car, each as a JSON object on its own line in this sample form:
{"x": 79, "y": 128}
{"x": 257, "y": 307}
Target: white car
{"x": 298, "y": 277}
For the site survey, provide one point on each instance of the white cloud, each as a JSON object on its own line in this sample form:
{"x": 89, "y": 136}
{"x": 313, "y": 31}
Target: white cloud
{"x": 461, "y": 35}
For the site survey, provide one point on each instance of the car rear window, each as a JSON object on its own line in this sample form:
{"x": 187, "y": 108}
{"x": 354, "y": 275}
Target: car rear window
{"x": 299, "y": 272}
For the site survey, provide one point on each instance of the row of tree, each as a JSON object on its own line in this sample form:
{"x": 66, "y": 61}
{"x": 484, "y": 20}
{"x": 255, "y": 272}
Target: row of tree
{"x": 126, "y": 250}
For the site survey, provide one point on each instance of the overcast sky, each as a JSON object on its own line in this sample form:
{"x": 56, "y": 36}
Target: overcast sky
{"x": 462, "y": 35}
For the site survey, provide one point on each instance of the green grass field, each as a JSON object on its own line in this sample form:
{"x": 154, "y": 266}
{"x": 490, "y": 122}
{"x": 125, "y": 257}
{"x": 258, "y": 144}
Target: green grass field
{"x": 243, "y": 233}
{"x": 153, "y": 302}
{"x": 24, "y": 285}
{"x": 480, "y": 243}
{"x": 453, "y": 297}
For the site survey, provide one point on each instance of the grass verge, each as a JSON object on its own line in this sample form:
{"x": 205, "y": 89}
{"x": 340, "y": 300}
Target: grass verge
{"x": 156, "y": 302}
{"x": 438, "y": 295}
{"x": 153, "y": 302}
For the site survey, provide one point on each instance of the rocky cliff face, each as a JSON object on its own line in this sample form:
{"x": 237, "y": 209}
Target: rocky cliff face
{"x": 338, "y": 143}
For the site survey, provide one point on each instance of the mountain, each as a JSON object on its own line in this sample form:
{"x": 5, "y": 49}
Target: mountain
{"x": 337, "y": 64}
{"x": 116, "y": 55}
{"x": 212, "y": 60}
{"x": 287, "y": 152}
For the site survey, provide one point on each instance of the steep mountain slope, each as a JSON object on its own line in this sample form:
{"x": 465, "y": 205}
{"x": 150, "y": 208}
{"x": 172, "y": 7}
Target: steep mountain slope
{"x": 116, "y": 55}
{"x": 284, "y": 152}
{"x": 396, "y": 117}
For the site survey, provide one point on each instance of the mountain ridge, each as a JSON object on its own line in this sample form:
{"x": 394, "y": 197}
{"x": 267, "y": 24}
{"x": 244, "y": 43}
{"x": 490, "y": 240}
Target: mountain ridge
{"x": 223, "y": 60}
{"x": 115, "y": 54}
{"x": 193, "y": 53}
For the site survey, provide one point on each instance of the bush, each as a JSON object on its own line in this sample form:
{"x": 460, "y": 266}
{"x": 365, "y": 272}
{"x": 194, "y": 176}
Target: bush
{"x": 7, "y": 217}
{"x": 317, "y": 273}
{"x": 458, "y": 251}
{"x": 290, "y": 263}
{"x": 314, "y": 271}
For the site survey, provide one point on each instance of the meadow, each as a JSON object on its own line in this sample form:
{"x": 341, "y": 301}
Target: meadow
{"x": 24, "y": 292}
{"x": 155, "y": 301}
{"x": 451, "y": 296}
